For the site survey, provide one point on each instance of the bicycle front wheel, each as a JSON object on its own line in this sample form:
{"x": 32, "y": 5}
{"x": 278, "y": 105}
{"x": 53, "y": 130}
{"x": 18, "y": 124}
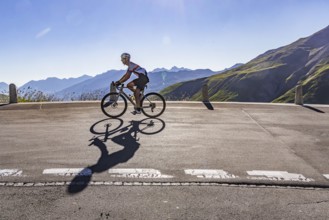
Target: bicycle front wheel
{"x": 114, "y": 105}
{"x": 153, "y": 105}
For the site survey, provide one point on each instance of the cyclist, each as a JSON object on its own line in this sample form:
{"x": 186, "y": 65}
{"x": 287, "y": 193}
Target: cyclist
{"x": 139, "y": 83}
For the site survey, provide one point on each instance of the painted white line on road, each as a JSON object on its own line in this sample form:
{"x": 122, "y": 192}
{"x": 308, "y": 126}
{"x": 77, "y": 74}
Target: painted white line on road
{"x": 277, "y": 175}
{"x": 10, "y": 172}
{"x": 157, "y": 183}
{"x": 137, "y": 173}
{"x": 68, "y": 172}
{"x": 216, "y": 174}
{"x": 326, "y": 176}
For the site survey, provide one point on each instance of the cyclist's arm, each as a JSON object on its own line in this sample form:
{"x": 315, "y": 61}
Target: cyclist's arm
{"x": 125, "y": 77}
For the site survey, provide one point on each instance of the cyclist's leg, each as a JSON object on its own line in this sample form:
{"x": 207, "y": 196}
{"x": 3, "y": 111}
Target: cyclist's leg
{"x": 131, "y": 86}
{"x": 136, "y": 92}
{"x": 140, "y": 85}
{"x": 137, "y": 98}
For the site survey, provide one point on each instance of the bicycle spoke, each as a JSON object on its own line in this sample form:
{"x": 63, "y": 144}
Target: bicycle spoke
{"x": 114, "y": 105}
{"x": 153, "y": 105}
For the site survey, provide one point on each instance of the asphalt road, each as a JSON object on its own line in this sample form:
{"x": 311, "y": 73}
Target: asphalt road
{"x": 197, "y": 161}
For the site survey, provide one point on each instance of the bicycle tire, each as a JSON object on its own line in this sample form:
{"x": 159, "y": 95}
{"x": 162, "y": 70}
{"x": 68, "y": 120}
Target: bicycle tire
{"x": 98, "y": 129}
{"x": 150, "y": 126}
{"x": 109, "y": 106}
{"x": 153, "y": 101}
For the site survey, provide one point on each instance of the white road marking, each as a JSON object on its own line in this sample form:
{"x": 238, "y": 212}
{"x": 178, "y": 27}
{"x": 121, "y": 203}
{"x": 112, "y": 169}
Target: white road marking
{"x": 216, "y": 174}
{"x": 277, "y": 175}
{"x": 153, "y": 173}
{"x": 69, "y": 172}
{"x": 150, "y": 184}
{"x": 10, "y": 172}
{"x": 137, "y": 173}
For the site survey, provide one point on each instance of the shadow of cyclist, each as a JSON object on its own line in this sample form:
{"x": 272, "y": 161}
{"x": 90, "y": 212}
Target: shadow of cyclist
{"x": 127, "y": 138}
{"x": 106, "y": 160}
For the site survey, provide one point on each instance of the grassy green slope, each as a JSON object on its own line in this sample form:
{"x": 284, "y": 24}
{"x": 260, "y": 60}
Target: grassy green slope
{"x": 183, "y": 91}
{"x": 270, "y": 77}
{"x": 315, "y": 87}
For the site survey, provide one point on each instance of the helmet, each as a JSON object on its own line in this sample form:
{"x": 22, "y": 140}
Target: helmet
{"x": 125, "y": 56}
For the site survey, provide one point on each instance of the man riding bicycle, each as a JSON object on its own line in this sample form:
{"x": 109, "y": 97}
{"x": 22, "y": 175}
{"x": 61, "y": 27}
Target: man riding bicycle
{"x": 140, "y": 82}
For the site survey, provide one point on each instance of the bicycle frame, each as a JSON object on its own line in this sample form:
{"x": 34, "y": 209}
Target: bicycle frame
{"x": 120, "y": 88}
{"x": 152, "y": 104}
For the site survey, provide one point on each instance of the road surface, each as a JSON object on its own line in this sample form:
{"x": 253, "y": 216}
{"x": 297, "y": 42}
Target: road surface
{"x": 196, "y": 161}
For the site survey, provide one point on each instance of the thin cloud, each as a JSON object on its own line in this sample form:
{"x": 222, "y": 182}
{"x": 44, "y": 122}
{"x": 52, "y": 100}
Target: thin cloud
{"x": 43, "y": 33}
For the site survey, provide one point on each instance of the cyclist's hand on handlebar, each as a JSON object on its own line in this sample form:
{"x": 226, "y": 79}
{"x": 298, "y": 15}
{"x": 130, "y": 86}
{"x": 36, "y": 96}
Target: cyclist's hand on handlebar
{"x": 117, "y": 83}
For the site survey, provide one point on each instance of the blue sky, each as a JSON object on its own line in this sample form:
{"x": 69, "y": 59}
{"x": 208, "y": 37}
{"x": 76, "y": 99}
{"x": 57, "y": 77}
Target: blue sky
{"x": 69, "y": 38}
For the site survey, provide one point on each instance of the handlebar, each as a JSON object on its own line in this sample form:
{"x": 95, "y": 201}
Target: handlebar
{"x": 117, "y": 86}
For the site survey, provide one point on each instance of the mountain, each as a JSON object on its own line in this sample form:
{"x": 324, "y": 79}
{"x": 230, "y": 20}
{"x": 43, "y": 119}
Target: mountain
{"x": 173, "y": 69}
{"x": 51, "y": 85}
{"x": 178, "y": 69}
{"x": 98, "y": 86}
{"x": 159, "y": 70}
{"x": 4, "y": 88}
{"x": 162, "y": 79}
{"x": 93, "y": 88}
{"x": 270, "y": 77}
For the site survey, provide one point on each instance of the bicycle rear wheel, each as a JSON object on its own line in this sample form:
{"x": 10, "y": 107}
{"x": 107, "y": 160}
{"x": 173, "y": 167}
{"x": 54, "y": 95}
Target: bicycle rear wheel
{"x": 114, "y": 105}
{"x": 153, "y": 105}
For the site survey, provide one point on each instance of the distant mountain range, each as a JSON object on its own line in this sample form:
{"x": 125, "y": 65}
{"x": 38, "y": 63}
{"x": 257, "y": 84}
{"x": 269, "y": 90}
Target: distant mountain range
{"x": 98, "y": 86}
{"x": 270, "y": 77}
{"x": 93, "y": 88}
{"x": 88, "y": 87}
{"x": 173, "y": 69}
{"x": 52, "y": 84}
{"x": 4, "y": 88}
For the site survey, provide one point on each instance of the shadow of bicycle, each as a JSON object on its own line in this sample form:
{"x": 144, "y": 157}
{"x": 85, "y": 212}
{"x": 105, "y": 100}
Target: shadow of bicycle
{"x": 126, "y": 136}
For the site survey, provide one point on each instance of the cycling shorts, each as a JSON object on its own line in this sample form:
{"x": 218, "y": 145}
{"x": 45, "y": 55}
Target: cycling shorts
{"x": 141, "y": 81}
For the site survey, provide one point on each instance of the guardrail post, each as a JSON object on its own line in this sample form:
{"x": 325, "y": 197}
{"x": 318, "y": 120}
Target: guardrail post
{"x": 205, "y": 95}
{"x": 12, "y": 93}
{"x": 299, "y": 95}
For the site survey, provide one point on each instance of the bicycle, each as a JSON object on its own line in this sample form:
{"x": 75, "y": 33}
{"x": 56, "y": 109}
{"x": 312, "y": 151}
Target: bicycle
{"x": 114, "y": 104}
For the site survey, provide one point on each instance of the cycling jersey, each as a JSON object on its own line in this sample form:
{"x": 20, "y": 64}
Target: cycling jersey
{"x": 136, "y": 69}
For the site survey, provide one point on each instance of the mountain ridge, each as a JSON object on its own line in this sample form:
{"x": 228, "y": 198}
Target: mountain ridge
{"x": 96, "y": 87}
{"x": 4, "y": 88}
{"x": 270, "y": 77}
{"x": 173, "y": 69}
{"x": 51, "y": 84}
